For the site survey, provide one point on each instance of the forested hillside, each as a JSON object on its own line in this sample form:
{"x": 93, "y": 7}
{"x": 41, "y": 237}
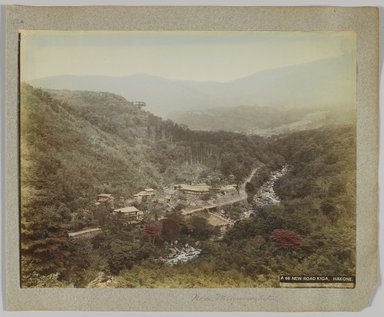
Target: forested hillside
{"x": 310, "y": 232}
{"x": 76, "y": 145}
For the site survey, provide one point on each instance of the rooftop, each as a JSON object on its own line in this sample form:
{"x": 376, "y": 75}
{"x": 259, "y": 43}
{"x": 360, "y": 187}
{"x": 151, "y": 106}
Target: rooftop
{"x": 144, "y": 193}
{"x": 129, "y": 209}
{"x": 194, "y": 188}
{"x": 228, "y": 187}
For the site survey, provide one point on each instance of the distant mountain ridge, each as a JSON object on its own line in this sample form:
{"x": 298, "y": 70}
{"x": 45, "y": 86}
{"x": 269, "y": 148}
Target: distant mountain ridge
{"x": 264, "y": 121}
{"x": 314, "y": 84}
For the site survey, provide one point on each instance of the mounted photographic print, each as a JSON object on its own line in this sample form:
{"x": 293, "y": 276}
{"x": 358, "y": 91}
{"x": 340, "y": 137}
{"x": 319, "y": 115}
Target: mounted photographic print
{"x": 218, "y": 163}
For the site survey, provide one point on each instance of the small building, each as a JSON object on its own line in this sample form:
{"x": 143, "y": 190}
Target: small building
{"x": 193, "y": 189}
{"x": 139, "y": 104}
{"x": 130, "y": 213}
{"x": 229, "y": 188}
{"x": 105, "y": 199}
{"x": 145, "y": 195}
{"x": 215, "y": 189}
{"x": 226, "y": 189}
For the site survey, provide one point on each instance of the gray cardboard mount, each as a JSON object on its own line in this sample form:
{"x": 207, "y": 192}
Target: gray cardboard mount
{"x": 363, "y": 21}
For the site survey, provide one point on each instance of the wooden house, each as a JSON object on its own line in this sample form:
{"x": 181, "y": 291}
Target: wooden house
{"x": 105, "y": 199}
{"x": 131, "y": 214}
{"x": 193, "y": 189}
{"x": 146, "y": 195}
{"x": 229, "y": 189}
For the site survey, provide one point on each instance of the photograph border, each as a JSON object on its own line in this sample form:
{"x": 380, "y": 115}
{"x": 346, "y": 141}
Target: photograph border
{"x": 363, "y": 21}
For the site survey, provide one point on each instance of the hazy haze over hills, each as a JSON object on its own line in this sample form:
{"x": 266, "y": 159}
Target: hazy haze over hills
{"x": 264, "y": 121}
{"x": 320, "y": 83}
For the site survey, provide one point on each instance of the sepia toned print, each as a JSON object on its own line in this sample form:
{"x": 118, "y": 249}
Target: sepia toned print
{"x": 187, "y": 159}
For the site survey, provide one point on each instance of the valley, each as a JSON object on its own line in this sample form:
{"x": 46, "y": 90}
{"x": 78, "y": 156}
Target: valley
{"x": 115, "y": 196}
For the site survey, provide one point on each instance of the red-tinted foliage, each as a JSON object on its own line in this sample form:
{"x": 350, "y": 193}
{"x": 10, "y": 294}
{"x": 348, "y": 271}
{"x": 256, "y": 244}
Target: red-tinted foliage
{"x": 171, "y": 229}
{"x": 286, "y": 239}
{"x": 153, "y": 228}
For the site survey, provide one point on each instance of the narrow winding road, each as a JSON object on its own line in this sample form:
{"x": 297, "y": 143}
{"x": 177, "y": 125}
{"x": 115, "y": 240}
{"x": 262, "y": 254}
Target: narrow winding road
{"x": 241, "y": 197}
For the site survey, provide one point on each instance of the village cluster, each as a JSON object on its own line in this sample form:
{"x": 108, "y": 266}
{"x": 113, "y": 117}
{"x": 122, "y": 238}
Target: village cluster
{"x": 186, "y": 198}
{"x": 190, "y": 198}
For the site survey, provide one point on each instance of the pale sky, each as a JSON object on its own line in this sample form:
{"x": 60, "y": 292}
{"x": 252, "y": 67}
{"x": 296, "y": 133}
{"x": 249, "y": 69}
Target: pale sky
{"x": 179, "y": 55}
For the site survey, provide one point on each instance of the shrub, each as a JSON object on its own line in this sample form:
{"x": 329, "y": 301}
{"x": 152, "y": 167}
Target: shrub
{"x": 286, "y": 239}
